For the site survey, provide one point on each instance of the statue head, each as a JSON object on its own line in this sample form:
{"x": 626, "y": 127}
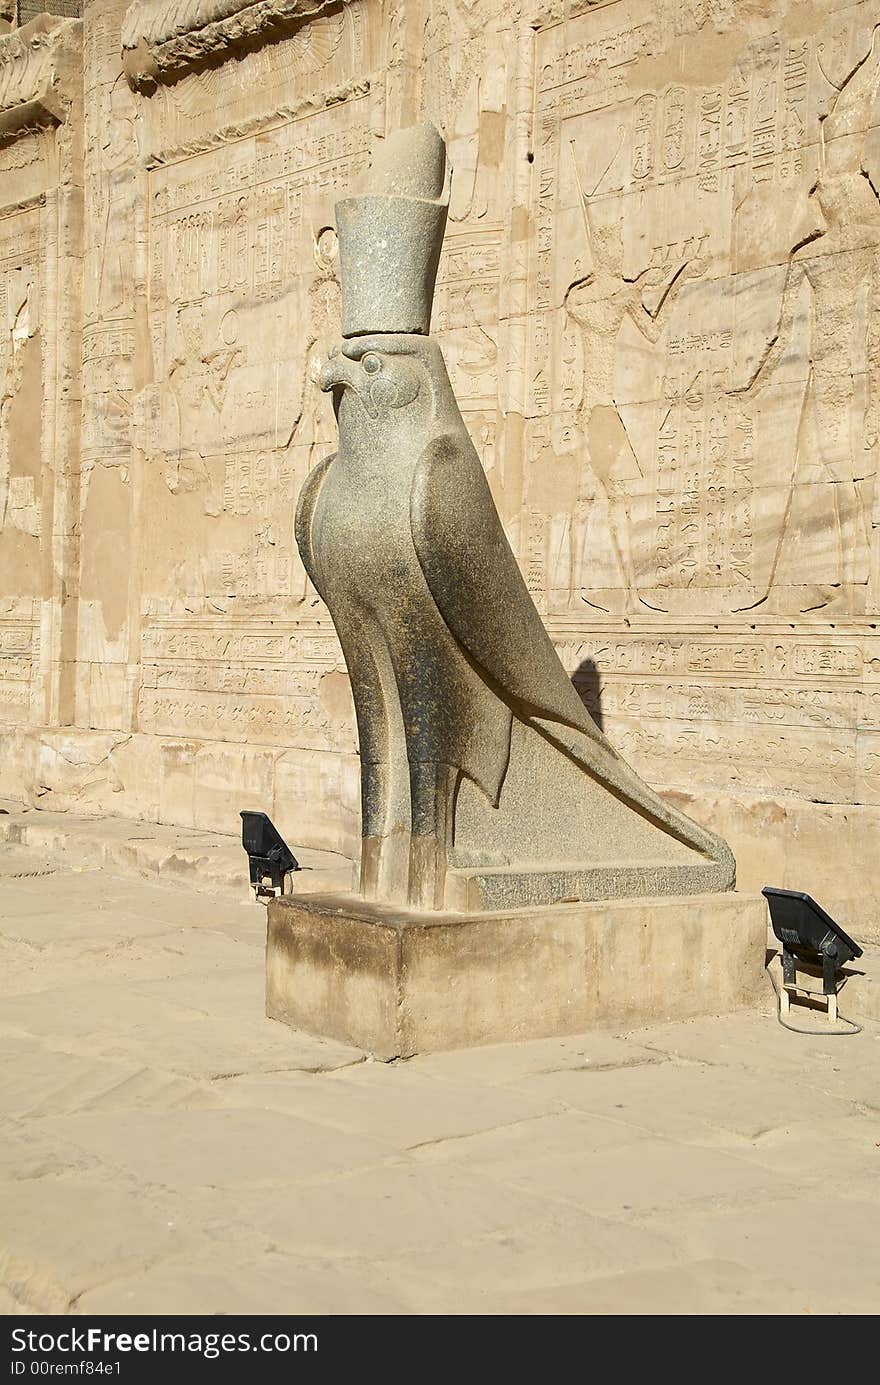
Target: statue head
{"x": 387, "y": 372}
{"x": 382, "y": 374}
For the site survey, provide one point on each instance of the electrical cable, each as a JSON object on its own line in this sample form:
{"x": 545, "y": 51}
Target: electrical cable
{"x": 819, "y": 1033}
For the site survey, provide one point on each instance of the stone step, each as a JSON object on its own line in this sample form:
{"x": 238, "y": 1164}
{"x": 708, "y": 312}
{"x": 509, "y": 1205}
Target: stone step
{"x": 206, "y": 861}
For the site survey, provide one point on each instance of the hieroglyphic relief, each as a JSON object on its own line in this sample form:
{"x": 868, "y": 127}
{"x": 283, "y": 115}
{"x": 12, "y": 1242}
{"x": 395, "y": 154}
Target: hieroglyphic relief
{"x": 704, "y": 372}
{"x": 20, "y": 370}
{"x": 324, "y": 59}
{"x": 687, "y": 242}
{"x": 19, "y": 660}
{"x": 243, "y": 307}
{"x": 212, "y": 299}
{"x": 765, "y": 712}
{"x": 465, "y": 78}
{"x": 106, "y": 638}
{"x": 40, "y": 220}
{"x": 21, "y": 480}
{"x": 464, "y": 87}
{"x": 163, "y": 39}
{"x": 465, "y": 321}
{"x": 112, "y": 133}
{"x": 23, "y": 168}
{"x": 765, "y": 715}
{"x": 276, "y": 683}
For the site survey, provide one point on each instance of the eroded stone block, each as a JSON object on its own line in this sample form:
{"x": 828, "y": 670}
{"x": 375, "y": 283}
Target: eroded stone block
{"x": 399, "y": 983}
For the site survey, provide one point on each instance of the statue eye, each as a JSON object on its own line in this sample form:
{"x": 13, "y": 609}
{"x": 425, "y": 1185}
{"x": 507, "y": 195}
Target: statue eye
{"x": 371, "y": 364}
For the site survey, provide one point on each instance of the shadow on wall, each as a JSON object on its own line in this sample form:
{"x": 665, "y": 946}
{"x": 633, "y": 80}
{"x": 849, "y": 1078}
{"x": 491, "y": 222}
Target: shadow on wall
{"x": 588, "y": 684}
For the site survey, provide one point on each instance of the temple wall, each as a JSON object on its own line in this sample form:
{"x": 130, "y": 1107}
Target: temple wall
{"x": 660, "y": 303}
{"x": 40, "y": 377}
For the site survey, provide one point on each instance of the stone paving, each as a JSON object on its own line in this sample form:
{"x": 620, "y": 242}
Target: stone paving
{"x": 166, "y": 1149}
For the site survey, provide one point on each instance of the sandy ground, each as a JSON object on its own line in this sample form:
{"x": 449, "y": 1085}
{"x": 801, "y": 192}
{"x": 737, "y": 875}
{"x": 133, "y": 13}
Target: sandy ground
{"x": 167, "y": 1149}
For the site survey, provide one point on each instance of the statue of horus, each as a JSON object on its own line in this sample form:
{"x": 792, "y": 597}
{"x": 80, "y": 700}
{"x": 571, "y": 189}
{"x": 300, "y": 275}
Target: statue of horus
{"x": 485, "y": 783}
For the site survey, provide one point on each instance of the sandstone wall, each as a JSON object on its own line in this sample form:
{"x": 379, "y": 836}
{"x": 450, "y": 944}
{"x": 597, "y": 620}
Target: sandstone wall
{"x": 660, "y": 302}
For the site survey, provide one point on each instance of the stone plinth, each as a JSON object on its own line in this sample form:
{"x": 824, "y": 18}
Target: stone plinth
{"x": 398, "y": 983}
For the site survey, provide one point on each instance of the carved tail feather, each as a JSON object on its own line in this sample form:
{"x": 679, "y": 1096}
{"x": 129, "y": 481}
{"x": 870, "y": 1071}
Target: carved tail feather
{"x": 606, "y": 766}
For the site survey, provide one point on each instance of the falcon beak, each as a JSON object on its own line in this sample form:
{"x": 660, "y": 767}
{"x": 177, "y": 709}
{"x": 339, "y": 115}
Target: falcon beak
{"x": 343, "y": 373}
{"x": 335, "y": 374}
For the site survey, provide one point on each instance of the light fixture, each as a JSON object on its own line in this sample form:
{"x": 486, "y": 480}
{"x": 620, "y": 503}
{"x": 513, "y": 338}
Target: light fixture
{"x": 811, "y": 936}
{"x": 269, "y": 857}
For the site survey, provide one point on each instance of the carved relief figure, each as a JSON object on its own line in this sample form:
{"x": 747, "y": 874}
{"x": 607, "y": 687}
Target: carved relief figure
{"x": 845, "y": 281}
{"x": 466, "y": 308}
{"x": 837, "y": 270}
{"x": 119, "y": 153}
{"x": 598, "y": 303}
{"x": 19, "y": 507}
{"x": 465, "y": 93}
{"x": 198, "y": 377}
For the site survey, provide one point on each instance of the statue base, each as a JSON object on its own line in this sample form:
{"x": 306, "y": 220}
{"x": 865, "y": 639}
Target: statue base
{"x": 397, "y": 983}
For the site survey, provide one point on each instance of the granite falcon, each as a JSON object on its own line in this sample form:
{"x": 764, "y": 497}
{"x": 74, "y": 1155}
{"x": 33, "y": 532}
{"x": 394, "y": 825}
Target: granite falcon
{"x": 476, "y": 751}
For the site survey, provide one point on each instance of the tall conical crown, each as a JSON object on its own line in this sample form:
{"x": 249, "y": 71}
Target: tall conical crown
{"x": 390, "y": 237}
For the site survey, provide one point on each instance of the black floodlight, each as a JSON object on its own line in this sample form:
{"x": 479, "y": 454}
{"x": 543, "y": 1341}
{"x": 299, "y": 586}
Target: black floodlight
{"x": 269, "y": 856}
{"x": 809, "y": 934}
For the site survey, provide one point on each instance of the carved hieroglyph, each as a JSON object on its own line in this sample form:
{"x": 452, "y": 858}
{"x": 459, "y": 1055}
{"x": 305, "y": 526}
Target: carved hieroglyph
{"x": 658, "y": 304}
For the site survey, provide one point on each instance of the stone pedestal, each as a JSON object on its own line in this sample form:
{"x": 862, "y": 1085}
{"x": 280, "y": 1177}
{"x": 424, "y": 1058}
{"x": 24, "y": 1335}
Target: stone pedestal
{"x": 398, "y": 983}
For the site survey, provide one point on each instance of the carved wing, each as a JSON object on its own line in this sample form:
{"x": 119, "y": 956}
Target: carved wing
{"x": 305, "y": 510}
{"x": 478, "y": 587}
{"x": 479, "y": 590}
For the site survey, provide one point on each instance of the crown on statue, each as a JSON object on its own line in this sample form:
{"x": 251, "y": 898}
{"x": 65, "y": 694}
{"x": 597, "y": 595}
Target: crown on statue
{"x": 391, "y": 236}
